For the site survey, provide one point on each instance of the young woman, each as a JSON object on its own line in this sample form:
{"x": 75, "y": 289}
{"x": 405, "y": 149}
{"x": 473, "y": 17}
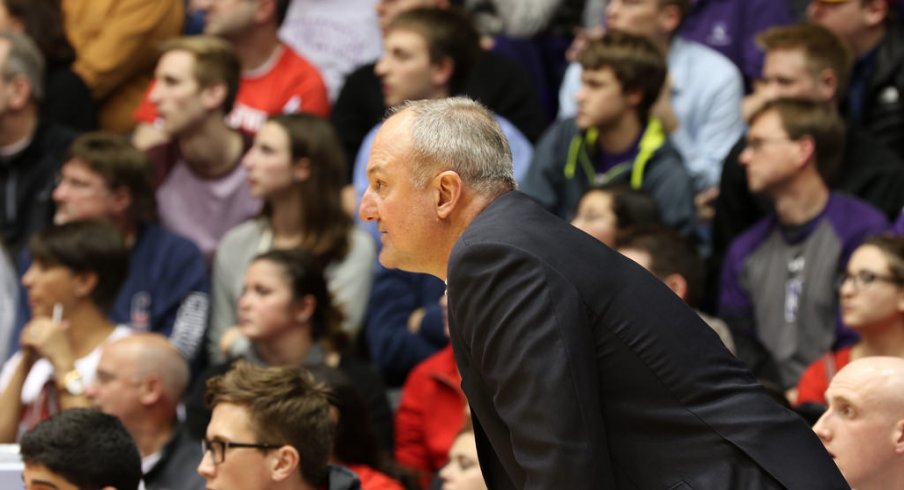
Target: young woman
{"x": 76, "y": 271}
{"x": 604, "y": 211}
{"x": 871, "y": 293}
{"x": 287, "y": 315}
{"x": 463, "y": 470}
{"x": 297, "y": 167}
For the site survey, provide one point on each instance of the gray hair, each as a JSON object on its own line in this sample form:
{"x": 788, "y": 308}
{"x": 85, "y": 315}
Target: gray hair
{"x": 24, "y": 59}
{"x": 459, "y": 134}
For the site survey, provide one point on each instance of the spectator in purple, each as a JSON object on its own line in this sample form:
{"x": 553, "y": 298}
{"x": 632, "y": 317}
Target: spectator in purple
{"x": 730, "y": 27}
{"x": 778, "y": 278}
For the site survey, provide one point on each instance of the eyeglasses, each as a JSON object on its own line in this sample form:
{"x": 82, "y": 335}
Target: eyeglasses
{"x": 860, "y": 279}
{"x": 217, "y": 449}
{"x": 757, "y": 144}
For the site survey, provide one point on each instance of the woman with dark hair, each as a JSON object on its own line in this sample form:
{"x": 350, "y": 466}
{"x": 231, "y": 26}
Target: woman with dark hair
{"x": 604, "y": 211}
{"x": 871, "y": 294}
{"x": 297, "y": 167}
{"x": 287, "y": 314}
{"x": 76, "y": 271}
{"x": 67, "y": 100}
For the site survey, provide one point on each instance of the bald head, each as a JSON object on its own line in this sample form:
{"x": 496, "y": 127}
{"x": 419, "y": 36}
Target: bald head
{"x": 155, "y": 354}
{"x": 863, "y": 428}
{"x": 139, "y": 377}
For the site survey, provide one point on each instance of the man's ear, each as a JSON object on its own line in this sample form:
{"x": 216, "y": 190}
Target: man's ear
{"x": 449, "y": 187}
{"x": 806, "y": 150}
{"x": 85, "y": 283}
{"x": 150, "y": 389}
{"x": 20, "y": 92}
{"x": 122, "y": 200}
{"x": 283, "y": 463}
{"x": 899, "y": 437}
{"x": 827, "y": 83}
{"x": 875, "y": 12}
{"x": 266, "y": 10}
{"x": 442, "y": 72}
{"x": 214, "y": 96}
{"x": 670, "y": 18}
{"x": 634, "y": 97}
{"x": 678, "y": 284}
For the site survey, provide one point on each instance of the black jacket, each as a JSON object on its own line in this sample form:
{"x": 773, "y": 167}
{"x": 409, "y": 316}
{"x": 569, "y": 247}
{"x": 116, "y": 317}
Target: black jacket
{"x": 582, "y": 370}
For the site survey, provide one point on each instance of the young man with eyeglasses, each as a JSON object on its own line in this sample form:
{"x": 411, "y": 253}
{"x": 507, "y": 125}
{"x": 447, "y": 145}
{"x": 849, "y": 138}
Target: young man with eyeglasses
{"x": 270, "y": 430}
{"x": 778, "y": 276}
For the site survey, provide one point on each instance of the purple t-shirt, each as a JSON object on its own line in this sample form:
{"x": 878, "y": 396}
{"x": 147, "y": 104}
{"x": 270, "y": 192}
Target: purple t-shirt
{"x": 731, "y": 26}
{"x": 205, "y": 209}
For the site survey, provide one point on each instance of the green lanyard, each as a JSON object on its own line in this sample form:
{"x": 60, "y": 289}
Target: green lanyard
{"x": 652, "y": 139}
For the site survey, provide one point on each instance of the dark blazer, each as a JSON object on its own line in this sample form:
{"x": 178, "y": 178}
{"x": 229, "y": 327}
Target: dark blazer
{"x": 584, "y": 371}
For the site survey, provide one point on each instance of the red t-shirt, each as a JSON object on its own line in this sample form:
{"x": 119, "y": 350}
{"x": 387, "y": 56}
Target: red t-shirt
{"x": 815, "y": 381}
{"x": 287, "y": 84}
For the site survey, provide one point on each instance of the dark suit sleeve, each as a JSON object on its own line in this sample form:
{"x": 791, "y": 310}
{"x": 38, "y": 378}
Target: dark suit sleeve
{"x": 528, "y": 368}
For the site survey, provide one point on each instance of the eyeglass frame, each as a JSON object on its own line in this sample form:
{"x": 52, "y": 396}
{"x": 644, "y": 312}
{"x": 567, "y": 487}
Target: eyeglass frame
{"x": 207, "y": 446}
{"x": 863, "y": 278}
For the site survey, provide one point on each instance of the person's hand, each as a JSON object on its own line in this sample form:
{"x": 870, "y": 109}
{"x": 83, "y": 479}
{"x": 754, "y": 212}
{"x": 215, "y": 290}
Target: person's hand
{"x": 48, "y": 339}
{"x": 230, "y": 336}
{"x": 754, "y": 101}
{"x": 582, "y": 38}
{"x": 704, "y": 202}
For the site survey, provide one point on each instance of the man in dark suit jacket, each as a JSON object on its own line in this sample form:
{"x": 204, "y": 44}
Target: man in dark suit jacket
{"x": 582, "y": 370}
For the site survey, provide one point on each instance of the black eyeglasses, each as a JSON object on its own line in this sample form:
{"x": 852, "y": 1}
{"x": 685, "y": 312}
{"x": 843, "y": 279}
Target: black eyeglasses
{"x": 865, "y": 278}
{"x": 217, "y": 449}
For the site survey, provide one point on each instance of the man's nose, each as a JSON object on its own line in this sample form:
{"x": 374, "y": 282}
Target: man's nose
{"x": 367, "y": 209}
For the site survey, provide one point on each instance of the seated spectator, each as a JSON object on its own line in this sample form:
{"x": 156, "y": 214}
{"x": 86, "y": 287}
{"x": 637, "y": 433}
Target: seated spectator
{"x": 874, "y": 99}
{"x": 674, "y": 260}
{"x": 808, "y": 61}
{"x": 282, "y": 421}
{"x": 80, "y": 448}
{"x": 463, "y": 470}
{"x": 429, "y": 54}
{"x": 76, "y": 272}
{"x": 606, "y": 210}
{"x": 32, "y": 149}
{"x": 731, "y": 29}
{"x": 67, "y": 100}
{"x": 286, "y": 313}
{"x": 494, "y": 80}
{"x": 355, "y": 446}
{"x": 700, "y": 104}
{"x": 166, "y": 290}
{"x": 116, "y": 45}
{"x": 614, "y": 137}
{"x": 202, "y": 188}
{"x": 296, "y": 167}
{"x": 871, "y": 293}
{"x": 778, "y": 277}
{"x": 140, "y": 379}
{"x": 274, "y": 79}
{"x": 862, "y": 428}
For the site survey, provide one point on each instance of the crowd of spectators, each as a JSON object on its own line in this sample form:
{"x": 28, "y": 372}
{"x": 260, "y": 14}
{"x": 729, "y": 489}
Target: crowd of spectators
{"x": 179, "y": 184}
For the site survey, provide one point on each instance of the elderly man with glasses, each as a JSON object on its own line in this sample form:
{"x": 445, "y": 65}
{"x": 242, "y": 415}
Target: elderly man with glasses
{"x": 270, "y": 430}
